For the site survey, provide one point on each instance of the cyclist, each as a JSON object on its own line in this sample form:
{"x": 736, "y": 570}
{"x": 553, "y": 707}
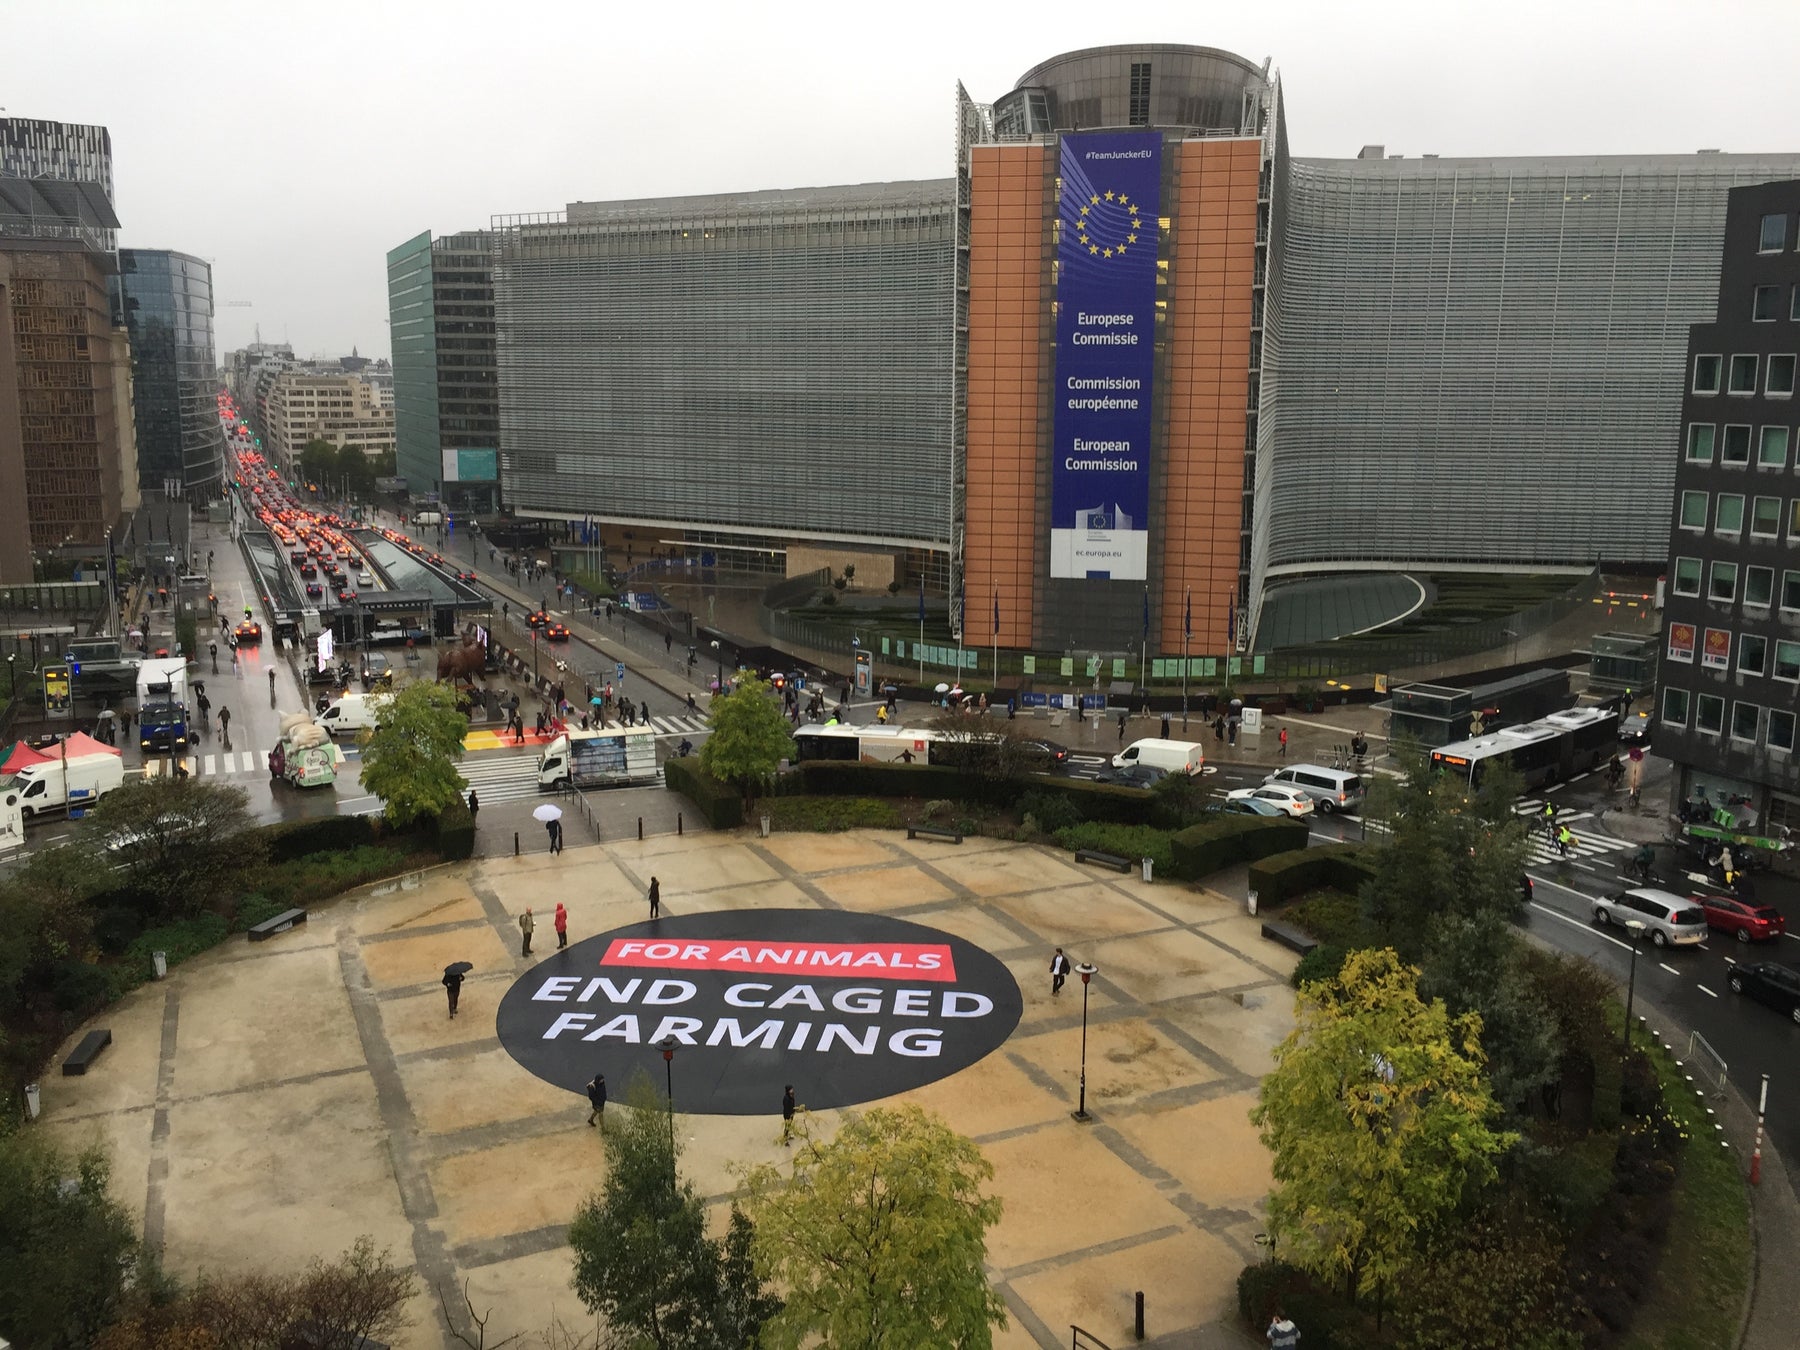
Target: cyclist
{"x": 1565, "y": 838}
{"x": 1643, "y": 860}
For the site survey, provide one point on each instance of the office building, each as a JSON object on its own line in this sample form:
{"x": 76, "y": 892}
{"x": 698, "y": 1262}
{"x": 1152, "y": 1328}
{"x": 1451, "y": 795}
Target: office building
{"x": 1729, "y": 683}
{"x": 165, "y": 301}
{"x": 445, "y": 383}
{"x": 313, "y": 403}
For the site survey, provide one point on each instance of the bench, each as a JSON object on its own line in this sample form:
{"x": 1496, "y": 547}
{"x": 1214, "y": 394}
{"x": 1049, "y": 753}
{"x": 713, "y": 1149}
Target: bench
{"x": 283, "y": 921}
{"x": 943, "y": 832}
{"x": 1289, "y": 936}
{"x": 1099, "y": 859}
{"x": 87, "y": 1052}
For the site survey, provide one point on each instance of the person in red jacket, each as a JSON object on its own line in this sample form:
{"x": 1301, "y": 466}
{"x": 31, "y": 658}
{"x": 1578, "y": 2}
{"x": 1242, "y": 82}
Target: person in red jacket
{"x": 562, "y": 926}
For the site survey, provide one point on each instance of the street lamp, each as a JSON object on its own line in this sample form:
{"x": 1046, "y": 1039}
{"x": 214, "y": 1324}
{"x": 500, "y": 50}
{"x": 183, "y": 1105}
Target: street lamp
{"x": 667, "y": 1046}
{"x": 1636, "y": 928}
{"x": 1087, "y": 970}
{"x": 12, "y": 676}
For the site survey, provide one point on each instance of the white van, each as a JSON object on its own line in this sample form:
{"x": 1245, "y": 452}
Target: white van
{"x": 1169, "y": 756}
{"x": 47, "y": 787}
{"x": 352, "y": 713}
{"x": 1330, "y": 789}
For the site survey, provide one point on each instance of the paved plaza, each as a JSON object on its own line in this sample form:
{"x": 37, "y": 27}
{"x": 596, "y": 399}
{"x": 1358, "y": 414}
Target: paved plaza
{"x": 274, "y": 1101}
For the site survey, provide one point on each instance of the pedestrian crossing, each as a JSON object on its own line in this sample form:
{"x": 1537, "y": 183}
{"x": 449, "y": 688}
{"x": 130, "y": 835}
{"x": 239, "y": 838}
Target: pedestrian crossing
{"x": 1544, "y": 851}
{"x": 502, "y": 778}
{"x": 221, "y": 764}
{"x": 671, "y": 726}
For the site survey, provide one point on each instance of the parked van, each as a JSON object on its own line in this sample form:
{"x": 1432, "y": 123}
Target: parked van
{"x": 1330, "y": 789}
{"x": 51, "y": 785}
{"x": 1169, "y": 756}
{"x": 352, "y": 713}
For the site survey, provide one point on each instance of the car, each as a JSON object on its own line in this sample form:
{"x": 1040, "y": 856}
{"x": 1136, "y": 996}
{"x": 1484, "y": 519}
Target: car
{"x": 1634, "y": 728}
{"x": 1290, "y": 800}
{"x": 1251, "y": 806}
{"x": 1744, "y": 919}
{"x": 364, "y": 580}
{"x": 537, "y": 619}
{"x": 1670, "y": 919}
{"x": 376, "y": 669}
{"x": 314, "y": 590}
{"x": 248, "y": 631}
{"x": 1769, "y": 982}
{"x": 556, "y": 632}
{"x": 346, "y": 595}
{"x": 308, "y": 571}
{"x": 465, "y": 575}
{"x": 1134, "y": 775}
{"x": 1042, "y": 756}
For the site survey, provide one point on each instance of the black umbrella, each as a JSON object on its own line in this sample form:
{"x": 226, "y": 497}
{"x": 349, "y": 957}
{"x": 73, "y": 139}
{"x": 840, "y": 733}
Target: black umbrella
{"x": 459, "y": 967}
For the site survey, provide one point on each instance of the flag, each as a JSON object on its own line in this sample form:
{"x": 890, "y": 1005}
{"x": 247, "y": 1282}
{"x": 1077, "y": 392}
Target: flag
{"x": 1230, "y": 621}
{"x": 1187, "y": 617}
{"x": 921, "y": 597}
{"x": 996, "y": 611}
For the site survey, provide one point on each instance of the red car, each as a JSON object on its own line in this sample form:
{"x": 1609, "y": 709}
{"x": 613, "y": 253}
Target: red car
{"x": 556, "y": 632}
{"x": 248, "y": 632}
{"x": 1748, "y": 921}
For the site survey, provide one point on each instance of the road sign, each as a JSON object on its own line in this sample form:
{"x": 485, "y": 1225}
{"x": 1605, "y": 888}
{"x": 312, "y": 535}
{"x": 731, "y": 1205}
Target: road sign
{"x": 618, "y": 672}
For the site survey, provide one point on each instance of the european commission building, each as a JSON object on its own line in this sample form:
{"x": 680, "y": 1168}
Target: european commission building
{"x": 1335, "y": 364}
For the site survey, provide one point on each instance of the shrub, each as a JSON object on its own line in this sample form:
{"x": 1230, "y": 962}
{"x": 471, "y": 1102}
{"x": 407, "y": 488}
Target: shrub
{"x": 253, "y": 909}
{"x": 79, "y": 988}
{"x": 1333, "y": 917}
{"x": 826, "y": 815}
{"x": 293, "y": 839}
{"x": 1095, "y": 801}
{"x": 455, "y": 832}
{"x": 319, "y": 875}
{"x": 1322, "y": 963}
{"x": 115, "y": 926}
{"x": 178, "y": 941}
{"x": 1128, "y": 841}
{"x": 1201, "y": 850}
{"x": 1279, "y": 878}
{"x": 1051, "y": 811}
{"x": 718, "y": 803}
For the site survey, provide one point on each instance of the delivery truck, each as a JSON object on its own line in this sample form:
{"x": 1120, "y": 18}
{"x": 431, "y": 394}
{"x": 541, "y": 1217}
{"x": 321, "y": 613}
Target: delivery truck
{"x": 610, "y": 757}
{"x": 48, "y": 787}
{"x": 162, "y": 689}
{"x": 352, "y": 714}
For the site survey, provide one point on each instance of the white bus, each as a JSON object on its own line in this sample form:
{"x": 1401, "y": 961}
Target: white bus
{"x": 1549, "y": 750}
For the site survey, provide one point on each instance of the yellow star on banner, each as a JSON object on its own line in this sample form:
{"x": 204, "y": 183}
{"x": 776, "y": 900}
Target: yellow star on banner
{"x": 1124, "y": 200}
{"x": 1083, "y": 238}
{"x": 1131, "y": 239}
{"x": 1120, "y": 250}
{"x": 1107, "y": 253}
{"x": 1109, "y": 195}
{"x": 1084, "y": 210}
{"x": 1094, "y": 200}
{"x": 1093, "y": 248}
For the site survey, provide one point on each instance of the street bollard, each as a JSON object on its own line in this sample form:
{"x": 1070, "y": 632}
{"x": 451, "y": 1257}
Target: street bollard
{"x": 678, "y": 824}
{"x": 640, "y": 829}
{"x": 515, "y": 843}
{"x": 1140, "y": 1314}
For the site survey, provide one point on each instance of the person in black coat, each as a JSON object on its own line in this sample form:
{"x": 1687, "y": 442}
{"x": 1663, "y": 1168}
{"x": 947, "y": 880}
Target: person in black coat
{"x": 787, "y": 1114}
{"x": 596, "y": 1091}
{"x": 453, "y": 981}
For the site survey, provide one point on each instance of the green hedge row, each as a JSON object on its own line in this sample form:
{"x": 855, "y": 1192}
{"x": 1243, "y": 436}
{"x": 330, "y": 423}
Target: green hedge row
{"x": 456, "y": 833}
{"x": 291, "y": 839}
{"x": 717, "y": 802}
{"x": 1201, "y": 850}
{"x": 1125, "y": 841}
{"x": 1279, "y": 878}
{"x": 938, "y": 782}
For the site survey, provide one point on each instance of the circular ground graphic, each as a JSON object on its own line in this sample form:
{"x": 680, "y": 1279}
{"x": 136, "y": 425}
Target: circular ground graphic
{"x": 846, "y": 1007}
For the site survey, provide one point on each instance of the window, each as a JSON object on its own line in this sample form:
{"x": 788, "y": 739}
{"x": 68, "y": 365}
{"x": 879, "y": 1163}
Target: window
{"x": 1709, "y": 716}
{"x": 1746, "y": 721}
{"x": 1774, "y": 234}
{"x": 1765, "y": 517}
{"x": 1781, "y": 729}
{"x": 1794, "y": 307}
{"x": 1763, "y": 300}
{"x": 1693, "y": 510}
{"x": 1771, "y": 450}
{"x": 1706, "y": 374}
{"x": 1687, "y": 576}
{"x": 1781, "y": 372}
{"x": 1759, "y": 586}
{"x": 1728, "y": 516}
{"x": 1700, "y": 442}
{"x": 1787, "y": 660}
{"x": 1724, "y": 582}
{"x": 1675, "y": 706}
{"x": 1790, "y": 590}
{"x": 1743, "y": 375}
{"x": 1140, "y": 94}
{"x": 1737, "y": 446}
{"x": 1753, "y": 654}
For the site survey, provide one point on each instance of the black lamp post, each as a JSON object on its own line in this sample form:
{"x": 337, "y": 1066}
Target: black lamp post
{"x": 1087, "y": 970}
{"x": 1636, "y": 929}
{"x": 667, "y": 1046}
{"x": 12, "y": 675}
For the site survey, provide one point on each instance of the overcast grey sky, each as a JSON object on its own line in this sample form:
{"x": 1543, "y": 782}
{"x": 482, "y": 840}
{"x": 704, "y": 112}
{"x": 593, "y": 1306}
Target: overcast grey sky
{"x": 293, "y": 146}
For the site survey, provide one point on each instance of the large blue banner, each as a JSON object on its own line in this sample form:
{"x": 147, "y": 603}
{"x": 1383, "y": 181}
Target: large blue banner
{"x": 1105, "y": 355}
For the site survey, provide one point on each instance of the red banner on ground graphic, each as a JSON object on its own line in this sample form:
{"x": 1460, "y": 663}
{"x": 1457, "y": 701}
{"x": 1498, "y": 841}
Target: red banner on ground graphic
{"x": 840, "y": 960}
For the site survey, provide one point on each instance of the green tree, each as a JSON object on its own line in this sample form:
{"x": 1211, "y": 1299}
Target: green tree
{"x": 879, "y": 1236}
{"x": 68, "y": 1250}
{"x": 1496, "y": 1283}
{"x": 185, "y": 842}
{"x": 318, "y": 461}
{"x": 1377, "y": 1118}
{"x": 749, "y": 738}
{"x": 409, "y": 759}
{"x": 643, "y": 1260}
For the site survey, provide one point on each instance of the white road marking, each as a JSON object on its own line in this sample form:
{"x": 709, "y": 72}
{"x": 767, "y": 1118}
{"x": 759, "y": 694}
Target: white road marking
{"x": 1666, "y": 966}
{"x": 1577, "y": 923}
{"x": 1703, "y": 989}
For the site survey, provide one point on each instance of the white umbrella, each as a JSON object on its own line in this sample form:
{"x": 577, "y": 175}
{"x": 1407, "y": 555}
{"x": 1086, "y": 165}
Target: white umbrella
{"x": 547, "y": 812}
{"x": 943, "y": 689}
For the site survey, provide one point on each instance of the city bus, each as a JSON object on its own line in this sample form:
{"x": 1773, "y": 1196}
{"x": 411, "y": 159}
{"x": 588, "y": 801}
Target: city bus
{"x": 1549, "y": 750}
{"x": 872, "y": 744}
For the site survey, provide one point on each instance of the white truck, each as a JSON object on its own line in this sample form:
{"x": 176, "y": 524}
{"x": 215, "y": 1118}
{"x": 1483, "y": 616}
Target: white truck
{"x": 609, "y": 757}
{"x": 162, "y": 691}
{"x": 47, "y": 787}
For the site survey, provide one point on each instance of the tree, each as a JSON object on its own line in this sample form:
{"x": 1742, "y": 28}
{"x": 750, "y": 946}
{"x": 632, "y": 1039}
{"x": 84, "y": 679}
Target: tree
{"x": 186, "y": 842}
{"x": 318, "y": 460}
{"x": 749, "y": 738}
{"x": 409, "y": 759}
{"x": 985, "y": 748}
{"x": 1377, "y": 1117}
{"x": 643, "y": 1260}
{"x": 1497, "y": 1283}
{"x": 68, "y": 1251}
{"x": 45, "y": 918}
{"x": 879, "y": 1236}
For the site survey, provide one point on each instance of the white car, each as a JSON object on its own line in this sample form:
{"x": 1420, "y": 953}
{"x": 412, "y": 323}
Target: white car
{"x": 1291, "y": 800}
{"x": 364, "y": 579}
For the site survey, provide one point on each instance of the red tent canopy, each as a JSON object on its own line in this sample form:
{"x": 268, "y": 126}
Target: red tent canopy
{"x": 18, "y": 756}
{"x": 80, "y": 743}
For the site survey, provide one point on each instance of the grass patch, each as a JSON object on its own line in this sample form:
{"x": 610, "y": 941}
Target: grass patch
{"x": 319, "y": 875}
{"x": 828, "y": 815}
{"x": 1335, "y": 917}
{"x": 592, "y": 583}
{"x": 1709, "y": 1237}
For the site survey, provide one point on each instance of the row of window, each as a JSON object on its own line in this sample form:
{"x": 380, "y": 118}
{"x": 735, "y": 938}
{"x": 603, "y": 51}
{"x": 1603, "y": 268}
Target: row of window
{"x": 1753, "y": 652}
{"x": 1740, "y": 376}
{"x": 1771, "y": 444}
{"x": 1750, "y": 722}
{"x": 1773, "y": 236}
{"x": 1722, "y": 584}
{"x": 1727, "y": 512}
{"x": 1765, "y": 304}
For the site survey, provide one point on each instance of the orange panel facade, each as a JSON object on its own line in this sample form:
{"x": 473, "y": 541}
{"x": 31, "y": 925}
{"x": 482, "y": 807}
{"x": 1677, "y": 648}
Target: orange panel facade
{"x": 1005, "y": 437}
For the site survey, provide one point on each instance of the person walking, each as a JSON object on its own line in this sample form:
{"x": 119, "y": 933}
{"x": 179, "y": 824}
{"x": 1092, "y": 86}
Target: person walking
{"x": 225, "y": 723}
{"x": 271, "y": 684}
{"x": 1283, "y": 1334}
{"x": 1122, "y": 717}
{"x": 787, "y": 1115}
{"x": 655, "y": 898}
{"x": 596, "y": 1091}
{"x": 1283, "y": 741}
{"x": 561, "y": 923}
{"x": 1165, "y": 726}
{"x": 1059, "y": 971}
{"x": 526, "y": 924}
{"x": 1219, "y": 727}
{"x": 474, "y": 804}
{"x": 453, "y": 988}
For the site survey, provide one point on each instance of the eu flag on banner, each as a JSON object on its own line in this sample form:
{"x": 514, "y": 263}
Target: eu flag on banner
{"x": 996, "y": 613}
{"x": 1230, "y": 621}
{"x": 1187, "y": 618}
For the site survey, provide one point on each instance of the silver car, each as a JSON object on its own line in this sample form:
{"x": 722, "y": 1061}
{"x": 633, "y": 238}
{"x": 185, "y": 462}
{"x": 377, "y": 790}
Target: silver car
{"x": 1671, "y": 920}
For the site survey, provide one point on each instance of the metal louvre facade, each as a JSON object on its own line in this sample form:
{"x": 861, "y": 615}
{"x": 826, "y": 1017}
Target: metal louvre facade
{"x": 1479, "y": 356}
{"x": 773, "y": 362}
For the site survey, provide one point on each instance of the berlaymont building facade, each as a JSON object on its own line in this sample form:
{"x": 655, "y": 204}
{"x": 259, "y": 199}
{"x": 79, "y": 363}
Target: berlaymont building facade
{"x": 1130, "y": 358}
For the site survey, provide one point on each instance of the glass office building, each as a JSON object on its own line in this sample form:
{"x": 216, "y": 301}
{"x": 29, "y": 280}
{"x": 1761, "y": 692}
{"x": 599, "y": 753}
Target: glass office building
{"x": 744, "y": 368}
{"x": 165, "y": 301}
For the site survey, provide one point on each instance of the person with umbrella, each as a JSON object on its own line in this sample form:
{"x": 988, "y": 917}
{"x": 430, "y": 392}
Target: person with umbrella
{"x": 453, "y": 981}
{"x": 552, "y": 818}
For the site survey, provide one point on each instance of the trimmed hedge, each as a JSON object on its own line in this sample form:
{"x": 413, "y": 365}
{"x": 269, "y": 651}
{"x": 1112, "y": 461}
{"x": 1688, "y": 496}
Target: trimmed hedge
{"x": 717, "y": 802}
{"x": 1126, "y": 841}
{"x": 939, "y": 782}
{"x": 293, "y": 839}
{"x": 456, "y": 832}
{"x": 1201, "y": 850}
{"x": 1282, "y": 876}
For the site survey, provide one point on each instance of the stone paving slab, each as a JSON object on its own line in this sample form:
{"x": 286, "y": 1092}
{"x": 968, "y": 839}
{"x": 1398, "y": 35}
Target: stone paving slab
{"x": 271, "y": 1102}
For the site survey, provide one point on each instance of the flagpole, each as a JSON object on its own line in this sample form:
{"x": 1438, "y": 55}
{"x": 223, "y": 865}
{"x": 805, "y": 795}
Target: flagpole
{"x": 1187, "y": 627}
{"x": 921, "y": 642}
{"x": 996, "y": 640}
{"x": 1144, "y": 651}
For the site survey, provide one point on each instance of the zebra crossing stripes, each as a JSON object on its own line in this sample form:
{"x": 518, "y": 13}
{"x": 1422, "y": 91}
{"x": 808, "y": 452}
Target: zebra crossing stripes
{"x": 502, "y": 778}
{"x": 222, "y": 764}
{"x": 669, "y": 726}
